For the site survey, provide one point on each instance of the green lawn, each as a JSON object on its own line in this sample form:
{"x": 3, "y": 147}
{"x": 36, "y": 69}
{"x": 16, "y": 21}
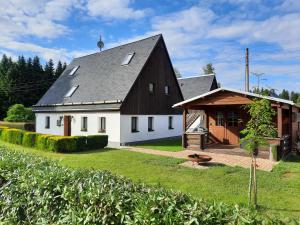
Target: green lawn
{"x": 173, "y": 145}
{"x": 278, "y": 191}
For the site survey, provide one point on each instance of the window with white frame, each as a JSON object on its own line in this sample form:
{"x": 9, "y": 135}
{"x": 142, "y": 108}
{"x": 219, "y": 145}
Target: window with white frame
{"x": 134, "y": 124}
{"x": 150, "y": 123}
{"x": 170, "y": 123}
{"x": 71, "y": 91}
{"x": 128, "y": 58}
{"x": 102, "y": 124}
{"x": 47, "y": 122}
{"x": 84, "y": 123}
{"x": 73, "y": 71}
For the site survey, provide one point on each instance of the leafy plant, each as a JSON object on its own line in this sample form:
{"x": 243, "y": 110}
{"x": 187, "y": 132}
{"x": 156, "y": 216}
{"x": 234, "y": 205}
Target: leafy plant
{"x": 258, "y": 129}
{"x": 18, "y": 113}
{"x": 39, "y": 191}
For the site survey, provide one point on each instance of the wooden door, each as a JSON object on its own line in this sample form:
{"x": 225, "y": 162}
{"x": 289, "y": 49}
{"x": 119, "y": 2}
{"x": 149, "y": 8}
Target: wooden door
{"x": 217, "y": 129}
{"x": 67, "y": 125}
{"x": 224, "y": 127}
{"x": 233, "y": 128}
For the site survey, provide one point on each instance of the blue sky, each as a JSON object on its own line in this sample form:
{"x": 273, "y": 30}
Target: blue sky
{"x": 196, "y": 33}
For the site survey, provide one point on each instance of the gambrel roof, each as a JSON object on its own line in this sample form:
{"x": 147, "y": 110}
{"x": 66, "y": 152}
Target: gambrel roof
{"x": 101, "y": 78}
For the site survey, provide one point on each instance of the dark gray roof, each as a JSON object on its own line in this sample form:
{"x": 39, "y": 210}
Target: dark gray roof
{"x": 194, "y": 86}
{"x": 100, "y": 76}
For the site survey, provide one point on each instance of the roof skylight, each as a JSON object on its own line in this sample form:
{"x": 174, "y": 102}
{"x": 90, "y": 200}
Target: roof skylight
{"x": 71, "y": 91}
{"x": 128, "y": 58}
{"x": 73, "y": 71}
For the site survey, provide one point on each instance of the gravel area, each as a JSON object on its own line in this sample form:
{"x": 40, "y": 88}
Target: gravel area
{"x": 217, "y": 159}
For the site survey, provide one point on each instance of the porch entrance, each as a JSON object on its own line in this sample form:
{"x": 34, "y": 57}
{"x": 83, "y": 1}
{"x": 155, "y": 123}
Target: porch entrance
{"x": 67, "y": 125}
{"x": 225, "y": 125}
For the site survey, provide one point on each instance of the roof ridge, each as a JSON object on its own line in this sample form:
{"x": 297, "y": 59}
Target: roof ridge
{"x": 201, "y": 75}
{"x": 119, "y": 46}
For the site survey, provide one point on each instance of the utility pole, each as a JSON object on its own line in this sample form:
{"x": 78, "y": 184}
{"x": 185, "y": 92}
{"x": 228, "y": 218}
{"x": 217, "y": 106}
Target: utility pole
{"x": 259, "y": 78}
{"x": 247, "y": 71}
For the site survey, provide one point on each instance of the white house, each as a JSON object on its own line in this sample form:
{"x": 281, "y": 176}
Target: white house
{"x": 126, "y": 92}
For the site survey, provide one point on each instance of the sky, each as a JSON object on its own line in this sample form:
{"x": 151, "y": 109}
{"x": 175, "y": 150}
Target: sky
{"x": 196, "y": 33}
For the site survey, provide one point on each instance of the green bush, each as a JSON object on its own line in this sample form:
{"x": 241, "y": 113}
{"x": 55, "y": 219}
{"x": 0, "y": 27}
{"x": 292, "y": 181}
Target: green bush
{"x": 14, "y": 136}
{"x": 62, "y": 144}
{"x": 96, "y": 141}
{"x": 53, "y": 143}
{"x": 42, "y": 141}
{"x": 29, "y": 139}
{"x": 39, "y": 191}
{"x": 19, "y": 113}
{"x": 2, "y": 128}
{"x": 81, "y": 143}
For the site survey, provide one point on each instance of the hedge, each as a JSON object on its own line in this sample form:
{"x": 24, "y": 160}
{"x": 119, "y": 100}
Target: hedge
{"x": 34, "y": 190}
{"x": 53, "y": 143}
{"x": 93, "y": 141}
{"x": 14, "y": 136}
{"x": 29, "y": 139}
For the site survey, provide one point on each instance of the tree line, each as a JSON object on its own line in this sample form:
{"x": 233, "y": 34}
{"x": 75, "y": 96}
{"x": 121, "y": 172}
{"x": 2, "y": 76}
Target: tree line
{"x": 284, "y": 94}
{"x": 25, "y": 80}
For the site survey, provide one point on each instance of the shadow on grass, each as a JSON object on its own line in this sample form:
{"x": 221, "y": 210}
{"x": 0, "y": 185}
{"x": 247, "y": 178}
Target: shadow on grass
{"x": 292, "y": 158}
{"x": 94, "y": 151}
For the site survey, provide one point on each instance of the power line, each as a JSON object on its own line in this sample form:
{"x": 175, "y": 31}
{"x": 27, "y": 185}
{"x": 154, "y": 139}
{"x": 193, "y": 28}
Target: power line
{"x": 259, "y": 78}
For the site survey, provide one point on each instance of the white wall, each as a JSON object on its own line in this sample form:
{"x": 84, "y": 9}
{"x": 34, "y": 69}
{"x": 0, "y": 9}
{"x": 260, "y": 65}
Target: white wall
{"x": 112, "y": 124}
{"x": 160, "y": 127}
{"x": 118, "y": 127}
{"x": 40, "y": 121}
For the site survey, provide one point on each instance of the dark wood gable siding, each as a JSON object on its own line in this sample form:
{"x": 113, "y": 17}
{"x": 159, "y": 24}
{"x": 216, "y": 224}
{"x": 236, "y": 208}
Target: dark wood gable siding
{"x": 157, "y": 70}
{"x": 214, "y": 84}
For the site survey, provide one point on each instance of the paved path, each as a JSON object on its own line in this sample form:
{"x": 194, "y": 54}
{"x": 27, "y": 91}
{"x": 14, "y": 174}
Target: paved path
{"x": 217, "y": 158}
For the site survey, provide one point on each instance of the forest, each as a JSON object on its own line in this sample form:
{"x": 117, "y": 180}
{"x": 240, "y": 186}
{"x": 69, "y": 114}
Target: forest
{"x": 25, "y": 80}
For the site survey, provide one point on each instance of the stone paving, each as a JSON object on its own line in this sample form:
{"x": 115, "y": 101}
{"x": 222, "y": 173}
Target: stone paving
{"x": 217, "y": 158}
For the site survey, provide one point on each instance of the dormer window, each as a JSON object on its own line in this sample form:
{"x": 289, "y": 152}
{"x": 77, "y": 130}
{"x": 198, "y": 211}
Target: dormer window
{"x": 71, "y": 91}
{"x": 128, "y": 58}
{"x": 73, "y": 71}
{"x": 151, "y": 88}
{"x": 167, "y": 90}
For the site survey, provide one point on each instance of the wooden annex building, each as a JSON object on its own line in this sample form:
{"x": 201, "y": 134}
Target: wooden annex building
{"x": 226, "y": 117}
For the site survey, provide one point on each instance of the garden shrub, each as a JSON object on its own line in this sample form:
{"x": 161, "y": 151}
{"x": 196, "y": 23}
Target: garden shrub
{"x": 81, "y": 143}
{"x": 42, "y": 141}
{"x": 62, "y": 144}
{"x": 2, "y": 128}
{"x": 14, "y": 136}
{"x": 53, "y": 143}
{"x": 96, "y": 141}
{"x": 40, "y": 191}
{"x": 19, "y": 113}
{"x": 29, "y": 139}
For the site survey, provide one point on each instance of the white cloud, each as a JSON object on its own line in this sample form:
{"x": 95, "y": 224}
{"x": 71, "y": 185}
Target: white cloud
{"x": 113, "y": 9}
{"x": 30, "y": 18}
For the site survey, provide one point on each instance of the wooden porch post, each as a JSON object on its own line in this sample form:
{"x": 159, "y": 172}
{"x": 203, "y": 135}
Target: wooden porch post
{"x": 291, "y": 125}
{"x": 279, "y": 121}
{"x": 184, "y": 128}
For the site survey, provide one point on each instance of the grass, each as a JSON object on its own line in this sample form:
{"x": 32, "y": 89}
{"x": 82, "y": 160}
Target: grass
{"x": 278, "y": 191}
{"x": 173, "y": 145}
